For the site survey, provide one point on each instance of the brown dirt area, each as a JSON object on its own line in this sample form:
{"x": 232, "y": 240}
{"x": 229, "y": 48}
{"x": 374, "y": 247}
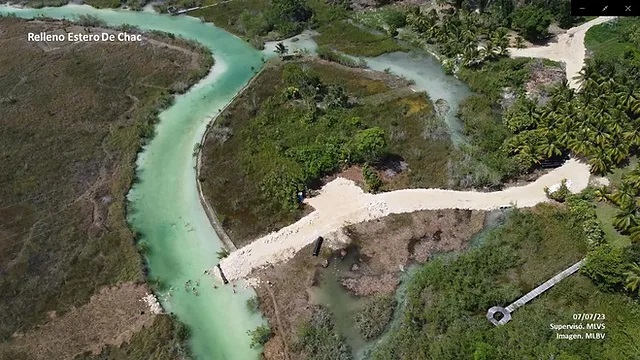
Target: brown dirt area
{"x": 386, "y": 246}
{"x": 114, "y": 315}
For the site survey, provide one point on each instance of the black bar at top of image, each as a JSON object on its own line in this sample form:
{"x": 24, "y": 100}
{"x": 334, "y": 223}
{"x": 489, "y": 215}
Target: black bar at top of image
{"x": 605, "y": 7}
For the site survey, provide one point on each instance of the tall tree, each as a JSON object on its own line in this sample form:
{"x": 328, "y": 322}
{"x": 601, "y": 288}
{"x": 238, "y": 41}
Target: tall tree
{"x": 632, "y": 281}
{"x": 532, "y": 22}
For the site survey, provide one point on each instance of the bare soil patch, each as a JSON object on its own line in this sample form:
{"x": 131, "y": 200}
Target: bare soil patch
{"x": 111, "y": 317}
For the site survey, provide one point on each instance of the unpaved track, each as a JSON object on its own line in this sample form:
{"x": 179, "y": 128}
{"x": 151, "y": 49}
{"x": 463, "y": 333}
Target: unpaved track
{"x": 341, "y": 203}
{"x": 568, "y": 48}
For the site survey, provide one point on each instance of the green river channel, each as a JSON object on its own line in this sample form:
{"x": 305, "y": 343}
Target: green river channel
{"x": 164, "y": 206}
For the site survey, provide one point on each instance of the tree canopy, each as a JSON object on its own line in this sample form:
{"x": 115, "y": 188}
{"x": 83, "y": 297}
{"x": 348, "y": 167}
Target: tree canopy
{"x": 532, "y": 21}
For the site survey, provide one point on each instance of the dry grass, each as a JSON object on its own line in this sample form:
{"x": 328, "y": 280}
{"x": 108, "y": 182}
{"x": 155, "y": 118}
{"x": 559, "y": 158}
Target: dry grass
{"x": 72, "y": 119}
{"x": 114, "y": 315}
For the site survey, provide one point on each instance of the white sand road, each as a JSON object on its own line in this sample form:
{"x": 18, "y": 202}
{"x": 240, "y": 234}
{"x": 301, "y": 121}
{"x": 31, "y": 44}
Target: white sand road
{"x": 567, "y": 47}
{"x": 342, "y": 203}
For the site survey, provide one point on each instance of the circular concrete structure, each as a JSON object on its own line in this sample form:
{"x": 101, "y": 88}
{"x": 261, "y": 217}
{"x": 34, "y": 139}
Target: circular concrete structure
{"x": 498, "y": 315}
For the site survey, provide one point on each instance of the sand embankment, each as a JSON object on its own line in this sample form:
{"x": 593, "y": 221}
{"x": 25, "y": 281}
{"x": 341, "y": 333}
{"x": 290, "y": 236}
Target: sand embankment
{"x": 342, "y": 203}
{"x": 567, "y": 47}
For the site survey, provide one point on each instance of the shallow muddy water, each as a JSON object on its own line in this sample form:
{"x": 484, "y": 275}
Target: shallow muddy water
{"x": 340, "y": 302}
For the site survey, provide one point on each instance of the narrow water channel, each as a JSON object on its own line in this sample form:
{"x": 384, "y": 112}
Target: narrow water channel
{"x": 445, "y": 91}
{"x": 429, "y": 76}
{"x": 340, "y": 302}
{"x": 164, "y": 205}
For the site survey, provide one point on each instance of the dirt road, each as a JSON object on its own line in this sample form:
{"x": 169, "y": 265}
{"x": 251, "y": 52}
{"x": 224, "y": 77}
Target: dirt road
{"x": 342, "y": 203}
{"x": 568, "y": 48}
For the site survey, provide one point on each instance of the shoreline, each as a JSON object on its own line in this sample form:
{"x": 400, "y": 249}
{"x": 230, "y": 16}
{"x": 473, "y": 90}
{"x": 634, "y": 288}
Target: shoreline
{"x": 209, "y": 210}
{"x": 202, "y": 62}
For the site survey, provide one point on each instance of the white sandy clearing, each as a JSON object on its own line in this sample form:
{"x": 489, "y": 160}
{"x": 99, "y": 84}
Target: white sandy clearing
{"x": 341, "y": 203}
{"x": 568, "y": 48}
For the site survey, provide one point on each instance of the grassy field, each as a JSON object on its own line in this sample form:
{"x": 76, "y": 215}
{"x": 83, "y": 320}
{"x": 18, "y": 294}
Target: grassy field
{"x": 446, "y": 302}
{"x": 606, "y": 213}
{"x": 353, "y": 40}
{"x": 71, "y": 123}
{"x": 162, "y": 340}
{"x": 254, "y": 139}
{"x": 612, "y": 40}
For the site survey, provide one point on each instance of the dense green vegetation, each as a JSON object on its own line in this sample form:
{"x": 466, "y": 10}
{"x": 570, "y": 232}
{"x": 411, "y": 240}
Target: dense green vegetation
{"x": 612, "y": 41}
{"x": 260, "y": 335}
{"x": 319, "y": 340}
{"x": 468, "y": 38}
{"x": 372, "y": 320}
{"x": 532, "y": 21}
{"x": 444, "y": 312}
{"x": 254, "y": 20}
{"x": 270, "y": 145}
{"x": 599, "y": 122}
{"x": 351, "y": 39}
{"x": 68, "y": 160}
{"x": 460, "y": 33}
{"x": 625, "y": 197}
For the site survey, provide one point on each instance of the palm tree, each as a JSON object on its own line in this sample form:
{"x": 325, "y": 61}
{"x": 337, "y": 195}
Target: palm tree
{"x": 632, "y": 178}
{"x": 617, "y": 150}
{"x": 632, "y": 136}
{"x": 634, "y": 106}
{"x": 600, "y": 163}
{"x": 587, "y": 76}
{"x": 501, "y": 41}
{"x": 564, "y": 129}
{"x": 632, "y": 281}
{"x": 602, "y": 193}
{"x": 579, "y": 144}
{"x": 549, "y": 146}
{"x": 627, "y": 97}
{"x": 634, "y": 233}
{"x": 626, "y": 218}
{"x": 625, "y": 194}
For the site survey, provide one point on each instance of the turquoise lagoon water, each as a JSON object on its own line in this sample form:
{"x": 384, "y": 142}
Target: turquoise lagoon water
{"x": 164, "y": 205}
